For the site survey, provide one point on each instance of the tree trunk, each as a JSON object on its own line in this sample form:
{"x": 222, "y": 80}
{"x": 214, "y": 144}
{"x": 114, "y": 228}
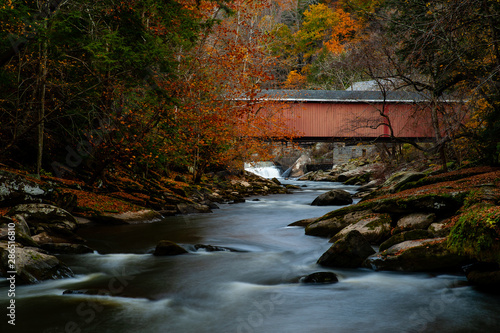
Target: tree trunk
{"x": 437, "y": 133}
{"x": 41, "y": 111}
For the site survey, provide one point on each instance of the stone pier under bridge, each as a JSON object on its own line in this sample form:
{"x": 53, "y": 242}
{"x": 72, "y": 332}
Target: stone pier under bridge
{"x": 313, "y": 156}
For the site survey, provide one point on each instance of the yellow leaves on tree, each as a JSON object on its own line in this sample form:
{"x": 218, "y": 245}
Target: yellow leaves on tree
{"x": 325, "y": 30}
{"x": 333, "y": 28}
{"x": 295, "y": 80}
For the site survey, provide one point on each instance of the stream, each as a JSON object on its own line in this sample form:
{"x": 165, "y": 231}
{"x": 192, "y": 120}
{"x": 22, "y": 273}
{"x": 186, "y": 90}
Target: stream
{"x": 255, "y": 288}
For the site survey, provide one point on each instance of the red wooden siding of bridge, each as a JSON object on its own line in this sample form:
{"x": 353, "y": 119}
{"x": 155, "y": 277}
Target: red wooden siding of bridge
{"x": 357, "y": 120}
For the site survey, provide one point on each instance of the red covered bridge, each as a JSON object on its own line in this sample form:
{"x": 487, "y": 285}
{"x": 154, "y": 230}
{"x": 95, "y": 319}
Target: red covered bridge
{"x": 327, "y": 115}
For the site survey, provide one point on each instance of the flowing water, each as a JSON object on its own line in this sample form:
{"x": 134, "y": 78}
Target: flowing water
{"x": 253, "y": 289}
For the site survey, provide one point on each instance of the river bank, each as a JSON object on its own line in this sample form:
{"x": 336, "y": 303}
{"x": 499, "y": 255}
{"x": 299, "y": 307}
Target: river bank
{"x": 416, "y": 221}
{"x": 39, "y": 217}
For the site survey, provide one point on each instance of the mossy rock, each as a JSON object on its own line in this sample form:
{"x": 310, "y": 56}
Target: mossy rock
{"x": 395, "y": 183}
{"x": 336, "y": 221}
{"x": 349, "y": 251}
{"x": 326, "y": 228}
{"x": 302, "y": 223}
{"x": 358, "y": 180}
{"x": 440, "y": 229}
{"x": 33, "y": 266}
{"x": 333, "y": 198}
{"x": 44, "y": 216}
{"x": 417, "y": 256}
{"x": 414, "y": 221}
{"x": 16, "y": 189}
{"x": 477, "y": 232}
{"x": 440, "y": 204}
{"x": 374, "y": 227}
{"x": 398, "y": 180}
{"x": 405, "y": 236}
{"x": 363, "y": 206}
{"x": 484, "y": 275}
{"x": 21, "y": 230}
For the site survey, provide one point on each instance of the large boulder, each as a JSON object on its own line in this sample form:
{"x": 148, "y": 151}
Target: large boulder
{"x": 333, "y": 198}
{"x": 405, "y": 236}
{"x": 45, "y": 217}
{"x": 349, "y": 251}
{"x": 16, "y": 189}
{"x": 168, "y": 248}
{"x": 66, "y": 248}
{"x": 326, "y": 228}
{"x": 18, "y": 222}
{"x": 46, "y": 238}
{"x": 185, "y": 208}
{"x": 299, "y": 168}
{"x": 399, "y": 179}
{"x": 416, "y": 255}
{"x": 375, "y": 228}
{"x": 319, "y": 176}
{"x": 395, "y": 183}
{"x": 440, "y": 229}
{"x": 330, "y": 224}
{"x": 484, "y": 275}
{"x": 17, "y": 227}
{"x": 141, "y": 216}
{"x": 362, "y": 173}
{"x": 368, "y": 188}
{"x": 31, "y": 265}
{"x": 415, "y": 221}
{"x": 303, "y": 223}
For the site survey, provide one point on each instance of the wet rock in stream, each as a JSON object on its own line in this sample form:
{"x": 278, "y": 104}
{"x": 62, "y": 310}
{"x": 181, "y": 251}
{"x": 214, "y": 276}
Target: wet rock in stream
{"x": 168, "y": 248}
{"x": 320, "y": 277}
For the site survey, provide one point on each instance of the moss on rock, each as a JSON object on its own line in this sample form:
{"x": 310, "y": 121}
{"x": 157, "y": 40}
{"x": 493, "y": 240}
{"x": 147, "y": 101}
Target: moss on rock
{"x": 477, "y": 233}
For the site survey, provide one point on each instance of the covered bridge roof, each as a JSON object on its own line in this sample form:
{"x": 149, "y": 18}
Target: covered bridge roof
{"x": 344, "y": 96}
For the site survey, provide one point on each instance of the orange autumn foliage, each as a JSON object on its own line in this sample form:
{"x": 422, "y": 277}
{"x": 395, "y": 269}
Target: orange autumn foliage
{"x": 343, "y": 32}
{"x": 216, "y": 118}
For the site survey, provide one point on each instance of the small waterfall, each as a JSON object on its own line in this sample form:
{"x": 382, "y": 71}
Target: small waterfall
{"x": 264, "y": 169}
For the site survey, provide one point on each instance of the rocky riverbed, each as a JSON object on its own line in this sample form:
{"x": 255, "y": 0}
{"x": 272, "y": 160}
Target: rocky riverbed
{"x": 417, "y": 222}
{"x": 412, "y": 221}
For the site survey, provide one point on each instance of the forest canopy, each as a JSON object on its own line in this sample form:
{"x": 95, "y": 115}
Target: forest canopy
{"x": 140, "y": 84}
{"x": 173, "y": 85}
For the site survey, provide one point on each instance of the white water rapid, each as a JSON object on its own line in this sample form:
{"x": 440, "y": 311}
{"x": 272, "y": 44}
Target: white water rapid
{"x": 264, "y": 169}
